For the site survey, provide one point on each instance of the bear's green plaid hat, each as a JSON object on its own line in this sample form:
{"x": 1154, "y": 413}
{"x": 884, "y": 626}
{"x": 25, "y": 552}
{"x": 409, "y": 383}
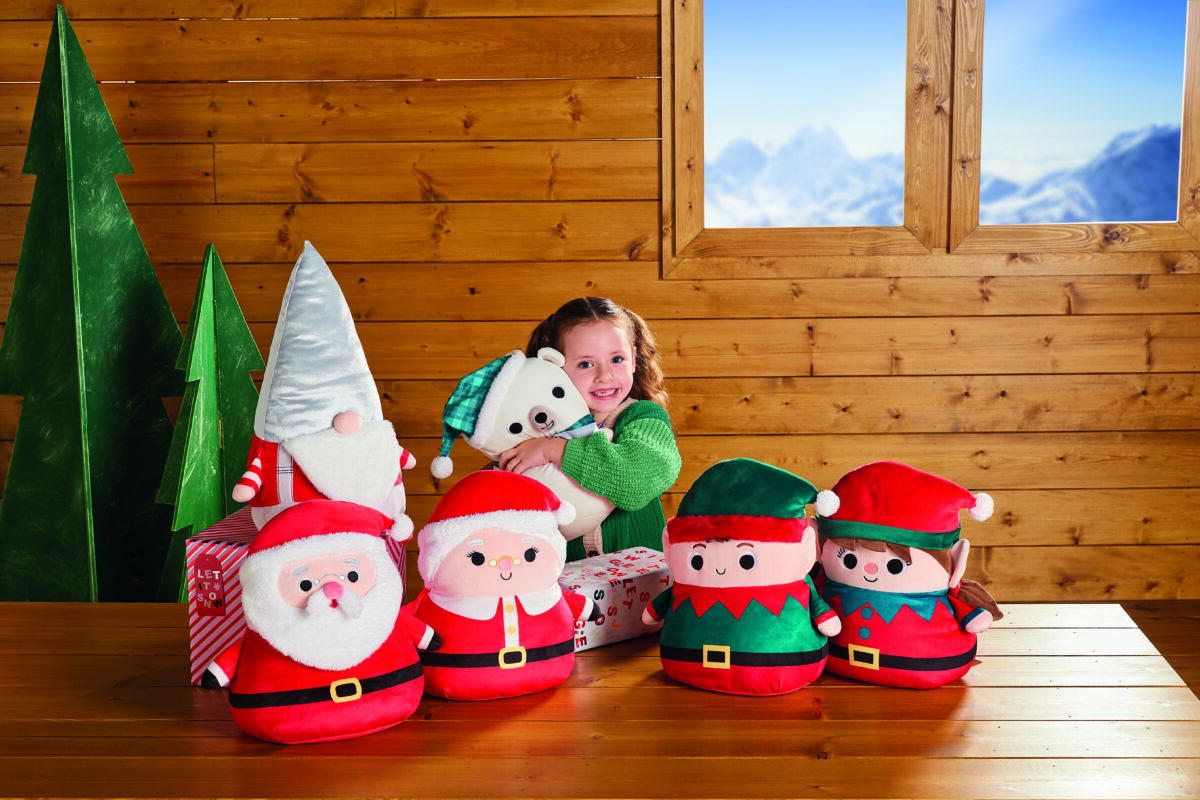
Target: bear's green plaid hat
{"x": 462, "y": 411}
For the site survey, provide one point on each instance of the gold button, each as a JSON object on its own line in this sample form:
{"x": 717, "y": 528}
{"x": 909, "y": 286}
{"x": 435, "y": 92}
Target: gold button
{"x": 512, "y": 628}
{"x": 510, "y": 608}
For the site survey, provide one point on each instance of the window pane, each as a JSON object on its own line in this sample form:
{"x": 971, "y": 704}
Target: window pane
{"x": 803, "y": 113}
{"x": 1082, "y": 102}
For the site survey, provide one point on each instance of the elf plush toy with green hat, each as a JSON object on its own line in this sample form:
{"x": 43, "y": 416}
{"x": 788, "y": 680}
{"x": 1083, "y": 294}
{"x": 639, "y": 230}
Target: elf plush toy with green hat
{"x": 893, "y": 563}
{"x": 743, "y": 617}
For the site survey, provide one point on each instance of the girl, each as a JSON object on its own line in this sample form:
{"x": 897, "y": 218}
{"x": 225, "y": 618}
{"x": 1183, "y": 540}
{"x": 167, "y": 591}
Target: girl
{"x": 613, "y": 361}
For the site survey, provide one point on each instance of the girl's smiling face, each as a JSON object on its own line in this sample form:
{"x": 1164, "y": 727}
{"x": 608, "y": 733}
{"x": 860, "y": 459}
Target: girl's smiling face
{"x": 600, "y": 363}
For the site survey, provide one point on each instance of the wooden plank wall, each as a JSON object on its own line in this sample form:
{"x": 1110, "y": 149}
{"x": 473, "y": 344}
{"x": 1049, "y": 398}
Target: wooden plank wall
{"x": 465, "y": 166}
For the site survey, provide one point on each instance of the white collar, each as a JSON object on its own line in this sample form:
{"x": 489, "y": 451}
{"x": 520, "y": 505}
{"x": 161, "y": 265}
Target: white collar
{"x": 482, "y": 608}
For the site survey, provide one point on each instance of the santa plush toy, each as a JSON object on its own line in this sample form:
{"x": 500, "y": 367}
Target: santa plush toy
{"x": 319, "y": 430}
{"x": 328, "y": 652}
{"x": 490, "y": 557}
{"x": 893, "y": 565}
{"x": 743, "y": 617}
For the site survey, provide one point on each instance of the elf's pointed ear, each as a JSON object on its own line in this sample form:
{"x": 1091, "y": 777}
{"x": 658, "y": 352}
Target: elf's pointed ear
{"x": 666, "y": 542}
{"x": 553, "y": 356}
{"x": 958, "y": 560}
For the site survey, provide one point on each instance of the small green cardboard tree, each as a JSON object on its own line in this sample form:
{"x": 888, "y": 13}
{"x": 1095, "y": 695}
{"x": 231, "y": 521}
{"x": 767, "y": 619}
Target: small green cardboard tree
{"x": 90, "y": 343}
{"x": 216, "y": 421}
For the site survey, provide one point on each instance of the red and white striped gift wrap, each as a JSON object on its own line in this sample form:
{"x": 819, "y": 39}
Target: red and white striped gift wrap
{"x": 215, "y": 618}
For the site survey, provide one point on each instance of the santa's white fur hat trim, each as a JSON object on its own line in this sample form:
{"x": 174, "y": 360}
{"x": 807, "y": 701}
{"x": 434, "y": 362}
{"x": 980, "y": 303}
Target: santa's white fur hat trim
{"x": 437, "y": 539}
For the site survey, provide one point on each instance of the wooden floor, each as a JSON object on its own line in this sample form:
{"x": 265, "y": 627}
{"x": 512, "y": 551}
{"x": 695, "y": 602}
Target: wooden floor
{"x": 1068, "y": 701}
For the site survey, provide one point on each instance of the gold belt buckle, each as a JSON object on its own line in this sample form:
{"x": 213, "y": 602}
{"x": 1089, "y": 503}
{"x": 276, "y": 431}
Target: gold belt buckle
{"x": 872, "y": 663}
{"x": 512, "y": 664}
{"x": 720, "y": 663}
{"x": 345, "y": 698}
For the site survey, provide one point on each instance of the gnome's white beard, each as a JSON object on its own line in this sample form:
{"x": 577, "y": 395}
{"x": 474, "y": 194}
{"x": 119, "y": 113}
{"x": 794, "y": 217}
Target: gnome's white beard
{"x": 321, "y": 635}
{"x": 360, "y": 468}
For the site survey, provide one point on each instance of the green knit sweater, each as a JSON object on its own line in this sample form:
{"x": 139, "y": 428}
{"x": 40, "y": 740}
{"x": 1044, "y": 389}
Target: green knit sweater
{"x": 632, "y": 471}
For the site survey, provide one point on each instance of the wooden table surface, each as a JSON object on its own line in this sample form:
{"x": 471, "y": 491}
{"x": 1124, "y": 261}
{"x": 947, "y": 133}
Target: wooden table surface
{"x": 1068, "y": 701}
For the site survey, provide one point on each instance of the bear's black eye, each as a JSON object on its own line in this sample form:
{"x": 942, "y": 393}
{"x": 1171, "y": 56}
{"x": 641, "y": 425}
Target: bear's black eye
{"x": 747, "y": 561}
{"x": 559, "y": 392}
{"x": 476, "y": 558}
{"x": 531, "y": 554}
{"x": 515, "y": 428}
{"x": 352, "y": 576}
{"x": 850, "y": 561}
{"x": 896, "y": 566}
{"x": 697, "y": 561}
{"x": 306, "y": 585}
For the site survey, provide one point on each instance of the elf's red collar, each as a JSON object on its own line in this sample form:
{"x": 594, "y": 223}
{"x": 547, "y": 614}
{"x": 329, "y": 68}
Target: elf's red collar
{"x": 737, "y": 598}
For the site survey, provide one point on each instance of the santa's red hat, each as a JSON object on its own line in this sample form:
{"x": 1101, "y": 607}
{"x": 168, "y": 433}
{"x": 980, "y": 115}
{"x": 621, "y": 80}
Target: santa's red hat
{"x": 492, "y": 498}
{"x": 301, "y": 531}
{"x": 892, "y": 502}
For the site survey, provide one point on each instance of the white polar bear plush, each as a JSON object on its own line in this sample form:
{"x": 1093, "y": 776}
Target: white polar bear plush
{"x": 515, "y": 398}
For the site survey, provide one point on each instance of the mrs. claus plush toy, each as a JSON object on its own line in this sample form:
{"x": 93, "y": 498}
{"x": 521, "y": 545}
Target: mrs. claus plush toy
{"x": 893, "y": 564}
{"x": 328, "y": 652}
{"x": 743, "y": 616}
{"x": 319, "y": 430}
{"x": 514, "y": 398}
{"x": 490, "y": 558}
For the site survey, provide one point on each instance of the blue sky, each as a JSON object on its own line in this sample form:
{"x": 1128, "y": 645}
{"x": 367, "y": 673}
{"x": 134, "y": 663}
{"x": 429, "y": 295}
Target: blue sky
{"x": 1061, "y": 77}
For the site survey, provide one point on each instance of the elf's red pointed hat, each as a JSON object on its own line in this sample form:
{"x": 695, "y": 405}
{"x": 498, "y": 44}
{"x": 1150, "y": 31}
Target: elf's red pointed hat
{"x": 892, "y": 502}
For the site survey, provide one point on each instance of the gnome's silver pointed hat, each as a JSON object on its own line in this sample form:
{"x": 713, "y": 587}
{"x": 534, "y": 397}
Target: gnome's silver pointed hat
{"x": 316, "y": 368}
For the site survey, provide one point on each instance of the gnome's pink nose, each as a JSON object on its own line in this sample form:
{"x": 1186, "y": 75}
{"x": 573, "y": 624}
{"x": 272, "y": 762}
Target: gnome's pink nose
{"x": 333, "y": 590}
{"x": 870, "y": 568}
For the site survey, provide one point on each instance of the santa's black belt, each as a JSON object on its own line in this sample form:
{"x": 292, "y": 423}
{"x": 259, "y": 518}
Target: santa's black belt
{"x": 870, "y": 658}
{"x": 722, "y": 657}
{"x": 508, "y": 658}
{"x": 339, "y": 691}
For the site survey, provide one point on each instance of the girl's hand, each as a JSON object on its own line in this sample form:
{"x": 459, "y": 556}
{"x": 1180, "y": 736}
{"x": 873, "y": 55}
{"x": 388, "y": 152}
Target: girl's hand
{"x": 533, "y": 453}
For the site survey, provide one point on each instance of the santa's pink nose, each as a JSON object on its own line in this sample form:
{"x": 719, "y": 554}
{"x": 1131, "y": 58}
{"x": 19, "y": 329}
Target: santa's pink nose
{"x": 505, "y": 564}
{"x": 333, "y": 590}
{"x": 870, "y": 568}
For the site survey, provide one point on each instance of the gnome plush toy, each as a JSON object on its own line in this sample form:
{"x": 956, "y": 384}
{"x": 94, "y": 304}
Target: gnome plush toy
{"x": 514, "y": 398}
{"x": 490, "y": 557}
{"x": 319, "y": 430}
{"x": 328, "y": 652}
{"x": 893, "y": 564}
{"x": 743, "y": 616}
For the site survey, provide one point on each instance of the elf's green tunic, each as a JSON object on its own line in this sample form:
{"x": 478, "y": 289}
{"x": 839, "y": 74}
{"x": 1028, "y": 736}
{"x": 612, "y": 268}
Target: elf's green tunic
{"x": 632, "y": 471}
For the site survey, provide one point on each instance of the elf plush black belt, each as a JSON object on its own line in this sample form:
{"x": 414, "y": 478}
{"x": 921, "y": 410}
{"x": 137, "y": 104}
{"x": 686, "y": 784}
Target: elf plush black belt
{"x": 870, "y": 658}
{"x": 722, "y": 657}
{"x": 340, "y": 691}
{"x": 508, "y": 658}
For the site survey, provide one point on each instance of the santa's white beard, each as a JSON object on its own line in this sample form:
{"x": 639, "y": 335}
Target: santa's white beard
{"x": 323, "y": 635}
{"x": 359, "y": 468}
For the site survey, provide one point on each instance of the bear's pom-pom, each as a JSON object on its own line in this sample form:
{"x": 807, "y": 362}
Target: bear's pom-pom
{"x": 827, "y": 503}
{"x": 984, "y": 506}
{"x": 441, "y": 467}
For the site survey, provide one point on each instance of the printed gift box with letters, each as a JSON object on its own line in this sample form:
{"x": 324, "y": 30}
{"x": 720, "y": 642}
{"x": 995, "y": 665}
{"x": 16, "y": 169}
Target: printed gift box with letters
{"x": 214, "y": 590}
{"x": 621, "y": 583}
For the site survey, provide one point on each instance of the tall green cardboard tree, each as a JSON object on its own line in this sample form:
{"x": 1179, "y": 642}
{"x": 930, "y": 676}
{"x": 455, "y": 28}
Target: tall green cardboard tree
{"x": 216, "y": 421}
{"x": 90, "y": 343}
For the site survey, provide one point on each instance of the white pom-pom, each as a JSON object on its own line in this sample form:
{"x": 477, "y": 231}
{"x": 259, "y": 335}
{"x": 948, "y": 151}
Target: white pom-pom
{"x": 565, "y": 514}
{"x": 441, "y": 467}
{"x": 402, "y": 528}
{"x": 984, "y": 506}
{"x": 827, "y": 503}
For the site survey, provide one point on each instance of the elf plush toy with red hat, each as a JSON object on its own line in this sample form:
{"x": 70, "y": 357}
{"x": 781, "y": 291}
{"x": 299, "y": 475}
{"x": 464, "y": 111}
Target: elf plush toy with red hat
{"x": 490, "y": 558}
{"x": 743, "y": 616}
{"x": 328, "y": 652}
{"x": 893, "y": 564}
{"x": 319, "y": 430}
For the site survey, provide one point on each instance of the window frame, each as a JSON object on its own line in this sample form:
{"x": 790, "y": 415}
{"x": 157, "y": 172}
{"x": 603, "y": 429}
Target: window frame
{"x": 942, "y": 143}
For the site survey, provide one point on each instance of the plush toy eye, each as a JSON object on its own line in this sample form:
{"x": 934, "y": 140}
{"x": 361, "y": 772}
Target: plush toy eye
{"x": 476, "y": 558}
{"x": 747, "y": 561}
{"x": 559, "y": 392}
{"x": 896, "y": 566}
{"x": 305, "y": 585}
{"x": 697, "y": 561}
{"x": 515, "y": 428}
{"x": 849, "y": 560}
{"x": 352, "y": 576}
{"x": 531, "y": 554}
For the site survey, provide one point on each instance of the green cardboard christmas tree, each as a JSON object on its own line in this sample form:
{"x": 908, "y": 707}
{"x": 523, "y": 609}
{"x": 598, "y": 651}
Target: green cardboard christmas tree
{"x": 216, "y": 421}
{"x": 90, "y": 343}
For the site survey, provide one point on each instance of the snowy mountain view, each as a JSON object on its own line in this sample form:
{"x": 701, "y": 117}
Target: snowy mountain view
{"x": 812, "y": 180}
